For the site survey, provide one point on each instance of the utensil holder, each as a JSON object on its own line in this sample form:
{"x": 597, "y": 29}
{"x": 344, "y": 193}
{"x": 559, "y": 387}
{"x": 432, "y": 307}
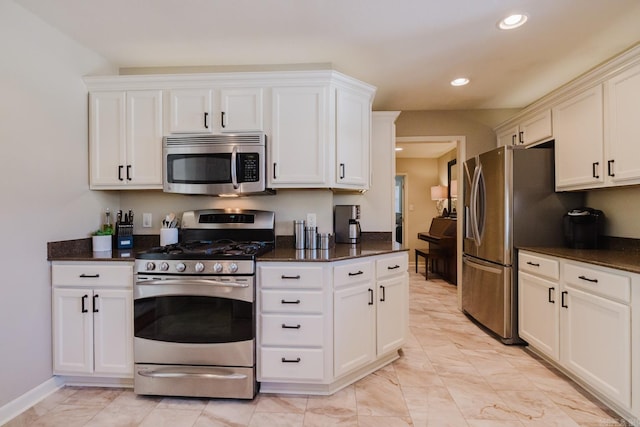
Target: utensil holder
{"x": 168, "y": 236}
{"x": 124, "y": 236}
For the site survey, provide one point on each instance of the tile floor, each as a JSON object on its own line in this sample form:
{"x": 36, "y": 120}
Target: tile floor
{"x": 450, "y": 374}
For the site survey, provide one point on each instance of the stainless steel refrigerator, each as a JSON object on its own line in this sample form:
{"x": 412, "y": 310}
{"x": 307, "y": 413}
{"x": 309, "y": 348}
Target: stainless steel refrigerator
{"x": 509, "y": 202}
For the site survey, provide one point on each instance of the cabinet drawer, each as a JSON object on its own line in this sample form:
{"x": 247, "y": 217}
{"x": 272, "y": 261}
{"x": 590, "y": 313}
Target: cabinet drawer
{"x": 608, "y": 285}
{"x": 353, "y": 272}
{"x": 92, "y": 274}
{"x": 291, "y": 364}
{"x": 303, "y": 331}
{"x": 291, "y": 301}
{"x": 392, "y": 265}
{"x": 539, "y": 266}
{"x": 287, "y": 277}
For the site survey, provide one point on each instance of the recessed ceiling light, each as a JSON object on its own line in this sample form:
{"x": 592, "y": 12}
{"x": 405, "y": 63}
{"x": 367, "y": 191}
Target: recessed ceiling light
{"x": 512, "y": 21}
{"x": 460, "y": 81}
{"x": 399, "y": 148}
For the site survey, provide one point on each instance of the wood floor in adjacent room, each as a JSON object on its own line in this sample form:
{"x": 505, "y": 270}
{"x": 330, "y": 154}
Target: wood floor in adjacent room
{"x": 450, "y": 374}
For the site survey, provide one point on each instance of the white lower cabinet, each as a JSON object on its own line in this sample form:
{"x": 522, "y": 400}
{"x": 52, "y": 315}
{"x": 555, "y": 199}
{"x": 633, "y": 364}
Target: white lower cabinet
{"x": 323, "y": 325}
{"x": 293, "y": 323}
{"x": 93, "y": 319}
{"x": 581, "y": 321}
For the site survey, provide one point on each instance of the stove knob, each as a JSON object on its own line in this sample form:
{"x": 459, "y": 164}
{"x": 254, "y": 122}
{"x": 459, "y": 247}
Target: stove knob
{"x": 181, "y": 267}
{"x": 151, "y": 266}
{"x": 164, "y": 266}
{"x": 233, "y": 267}
{"x": 199, "y": 267}
{"x": 217, "y": 267}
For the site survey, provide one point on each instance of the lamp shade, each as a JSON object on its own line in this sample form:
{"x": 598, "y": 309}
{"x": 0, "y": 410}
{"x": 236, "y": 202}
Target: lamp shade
{"x": 438, "y": 192}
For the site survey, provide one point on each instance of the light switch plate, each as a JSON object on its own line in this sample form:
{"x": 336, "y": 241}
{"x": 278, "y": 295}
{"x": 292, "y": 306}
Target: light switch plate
{"x": 146, "y": 220}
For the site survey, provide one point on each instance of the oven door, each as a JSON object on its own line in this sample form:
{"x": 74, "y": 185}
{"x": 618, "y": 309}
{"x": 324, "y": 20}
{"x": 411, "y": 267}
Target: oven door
{"x": 194, "y": 320}
{"x": 214, "y": 168}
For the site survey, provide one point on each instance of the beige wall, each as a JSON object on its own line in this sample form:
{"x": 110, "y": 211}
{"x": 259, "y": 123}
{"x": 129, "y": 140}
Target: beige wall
{"x": 43, "y": 183}
{"x": 420, "y": 174}
{"x": 475, "y": 125}
{"x": 621, "y": 207}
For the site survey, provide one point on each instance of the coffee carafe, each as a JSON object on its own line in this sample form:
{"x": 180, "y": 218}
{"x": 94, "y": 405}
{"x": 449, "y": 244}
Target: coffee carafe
{"x": 346, "y": 226}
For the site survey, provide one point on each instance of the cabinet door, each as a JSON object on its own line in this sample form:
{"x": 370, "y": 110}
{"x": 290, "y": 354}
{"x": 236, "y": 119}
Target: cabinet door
{"x": 72, "y": 331}
{"x": 144, "y": 138}
{"x": 536, "y": 128}
{"x": 353, "y": 139}
{"x": 538, "y": 314}
{"x": 113, "y": 332}
{"x": 107, "y": 138}
{"x": 241, "y": 110}
{"x": 392, "y": 313}
{"x": 624, "y": 127}
{"x": 354, "y": 327}
{"x": 578, "y": 133}
{"x": 596, "y": 342}
{"x": 508, "y": 136}
{"x": 300, "y": 140}
{"x": 190, "y": 111}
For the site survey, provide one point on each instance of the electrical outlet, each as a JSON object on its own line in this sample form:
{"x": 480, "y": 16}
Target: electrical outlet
{"x": 311, "y": 220}
{"x": 146, "y": 220}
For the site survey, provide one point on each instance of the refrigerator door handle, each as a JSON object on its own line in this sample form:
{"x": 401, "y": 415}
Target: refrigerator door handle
{"x": 481, "y": 266}
{"x": 475, "y": 232}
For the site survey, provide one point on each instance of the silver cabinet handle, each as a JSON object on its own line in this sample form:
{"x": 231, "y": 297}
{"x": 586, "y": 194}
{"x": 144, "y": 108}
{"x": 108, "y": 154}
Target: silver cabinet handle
{"x": 205, "y": 282}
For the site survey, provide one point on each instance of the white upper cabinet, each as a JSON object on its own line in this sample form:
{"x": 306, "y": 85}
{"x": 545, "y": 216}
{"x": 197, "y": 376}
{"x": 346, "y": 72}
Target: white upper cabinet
{"x": 529, "y": 130}
{"x": 353, "y": 129}
{"x": 578, "y": 130}
{"x": 190, "y": 111}
{"x": 125, "y": 139}
{"x": 623, "y": 127}
{"x": 241, "y": 109}
{"x": 299, "y": 141}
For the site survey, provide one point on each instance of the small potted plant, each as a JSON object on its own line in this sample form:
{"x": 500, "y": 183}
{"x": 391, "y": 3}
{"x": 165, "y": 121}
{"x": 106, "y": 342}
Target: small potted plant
{"x": 101, "y": 239}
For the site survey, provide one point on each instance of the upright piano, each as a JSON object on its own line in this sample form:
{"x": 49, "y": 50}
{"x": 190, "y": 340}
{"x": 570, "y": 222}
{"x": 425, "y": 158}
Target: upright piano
{"x": 442, "y": 236}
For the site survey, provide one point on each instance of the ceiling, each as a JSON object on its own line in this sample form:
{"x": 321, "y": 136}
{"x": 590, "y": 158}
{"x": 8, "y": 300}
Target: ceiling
{"x": 409, "y": 49}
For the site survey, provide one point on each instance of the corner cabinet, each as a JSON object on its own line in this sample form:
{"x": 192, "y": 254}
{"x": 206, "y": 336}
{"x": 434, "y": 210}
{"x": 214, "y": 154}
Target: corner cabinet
{"x": 322, "y": 326}
{"x": 578, "y": 316}
{"x": 321, "y": 136}
{"x": 93, "y": 319}
{"x": 125, "y": 139}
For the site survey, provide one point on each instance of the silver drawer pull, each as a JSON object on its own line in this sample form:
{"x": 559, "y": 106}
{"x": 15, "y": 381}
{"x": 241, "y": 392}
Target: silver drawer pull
{"x": 296, "y": 360}
{"x": 587, "y": 279}
{"x": 285, "y": 326}
{"x": 186, "y": 374}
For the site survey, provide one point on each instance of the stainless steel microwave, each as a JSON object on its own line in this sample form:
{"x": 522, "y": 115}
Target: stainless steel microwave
{"x": 220, "y": 165}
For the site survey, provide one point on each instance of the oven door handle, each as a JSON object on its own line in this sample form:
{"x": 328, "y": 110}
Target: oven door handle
{"x": 187, "y": 374}
{"x": 204, "y": 282}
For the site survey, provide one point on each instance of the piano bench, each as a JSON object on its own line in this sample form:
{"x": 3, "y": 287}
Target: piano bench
{"x": 430, "y": 255}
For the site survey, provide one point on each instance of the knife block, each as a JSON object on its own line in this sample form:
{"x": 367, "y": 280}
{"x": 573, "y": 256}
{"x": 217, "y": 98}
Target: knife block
{"x": 124, "y": 236}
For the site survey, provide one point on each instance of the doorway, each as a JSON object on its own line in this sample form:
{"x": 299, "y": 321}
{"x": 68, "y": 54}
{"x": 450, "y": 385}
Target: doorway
{"x": 400, "y": 207}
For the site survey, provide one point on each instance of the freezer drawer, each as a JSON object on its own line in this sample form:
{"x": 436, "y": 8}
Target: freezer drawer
{"x": 487, "y": 295}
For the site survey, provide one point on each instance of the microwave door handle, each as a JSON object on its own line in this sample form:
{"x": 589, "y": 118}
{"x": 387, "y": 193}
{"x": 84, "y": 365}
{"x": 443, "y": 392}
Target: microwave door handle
{"x": 234, "y": 166}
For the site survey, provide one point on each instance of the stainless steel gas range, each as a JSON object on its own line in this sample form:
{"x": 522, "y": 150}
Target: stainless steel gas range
{"x": 194, "y": 306}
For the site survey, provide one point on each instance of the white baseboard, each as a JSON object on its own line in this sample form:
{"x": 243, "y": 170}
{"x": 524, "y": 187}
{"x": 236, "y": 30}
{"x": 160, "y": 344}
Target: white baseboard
{"x": 30, "y": 398}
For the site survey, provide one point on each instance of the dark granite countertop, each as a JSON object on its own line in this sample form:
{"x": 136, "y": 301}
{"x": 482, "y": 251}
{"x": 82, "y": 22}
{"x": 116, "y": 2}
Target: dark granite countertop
{"x": 372, "y": 244}
{"x": 620, "y": 258}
